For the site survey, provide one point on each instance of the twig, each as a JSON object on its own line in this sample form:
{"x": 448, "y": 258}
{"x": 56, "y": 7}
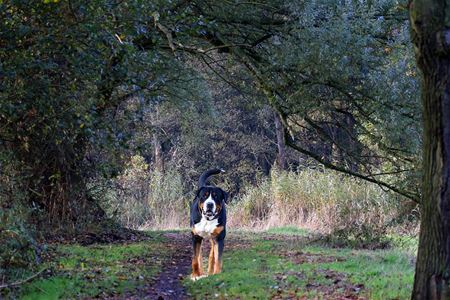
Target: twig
{"x": 22, "y": 281}
{"x": 164, "y": 30}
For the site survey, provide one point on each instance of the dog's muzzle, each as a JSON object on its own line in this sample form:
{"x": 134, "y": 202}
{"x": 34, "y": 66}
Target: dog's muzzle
{"x": 209, "y": 209}
{"x": 209, "y": 215}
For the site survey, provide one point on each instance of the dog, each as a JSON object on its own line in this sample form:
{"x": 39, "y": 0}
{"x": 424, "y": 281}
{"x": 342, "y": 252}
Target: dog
{"x": 208, "y": 221}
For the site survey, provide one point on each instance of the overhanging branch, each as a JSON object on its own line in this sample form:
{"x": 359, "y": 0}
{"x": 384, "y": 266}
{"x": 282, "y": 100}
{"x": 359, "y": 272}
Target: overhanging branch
{"x": 412, "y": 196}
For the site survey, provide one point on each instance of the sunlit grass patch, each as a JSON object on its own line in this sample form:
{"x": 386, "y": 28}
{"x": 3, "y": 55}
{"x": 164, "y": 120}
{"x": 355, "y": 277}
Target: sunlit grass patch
{"x": 97, "y": 270}
{"x": 406, "y": 243}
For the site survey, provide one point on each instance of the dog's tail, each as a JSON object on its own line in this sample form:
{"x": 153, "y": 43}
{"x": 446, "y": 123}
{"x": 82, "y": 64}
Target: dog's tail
{"x": 205, "y": 175}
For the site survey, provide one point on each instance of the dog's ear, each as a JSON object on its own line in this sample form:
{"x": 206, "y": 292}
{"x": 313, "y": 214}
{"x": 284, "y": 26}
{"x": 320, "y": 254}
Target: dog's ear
{"x": 198, "y": 192}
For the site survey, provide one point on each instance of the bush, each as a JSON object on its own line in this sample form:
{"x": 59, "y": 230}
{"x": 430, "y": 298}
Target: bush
{"x": 17, "y": 245}
{"x": 18, "y": 248}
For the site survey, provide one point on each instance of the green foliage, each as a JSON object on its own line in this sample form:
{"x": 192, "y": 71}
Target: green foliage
{"x": 66, "y": 69}
{"x": 340, "y": 74}
{"x": 369, "y": 75}
{"x": 18, "y": 248}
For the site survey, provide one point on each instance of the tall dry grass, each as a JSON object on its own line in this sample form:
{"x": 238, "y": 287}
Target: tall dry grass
{"x": 321, "y": 200}
{"x": 142, "y": 198}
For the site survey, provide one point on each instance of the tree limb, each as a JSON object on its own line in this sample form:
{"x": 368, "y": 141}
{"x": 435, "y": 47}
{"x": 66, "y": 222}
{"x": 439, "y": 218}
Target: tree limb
{"x": 412, "y": 196}
{"x": 19, "y": 282}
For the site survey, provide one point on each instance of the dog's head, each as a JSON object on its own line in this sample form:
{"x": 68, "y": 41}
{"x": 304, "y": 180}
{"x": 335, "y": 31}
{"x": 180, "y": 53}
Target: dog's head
{"x": 211, "y": 201}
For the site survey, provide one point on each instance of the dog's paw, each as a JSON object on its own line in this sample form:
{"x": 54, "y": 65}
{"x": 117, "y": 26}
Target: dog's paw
{"x": 195, "y": 278}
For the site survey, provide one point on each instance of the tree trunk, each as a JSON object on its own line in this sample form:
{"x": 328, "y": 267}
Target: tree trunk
{"x": 430, "y": 21}
{"x": 281, "y": 157}
{"x": 159, "y": 160}
{"x": 264, "y": 164}
{"x": 345, "y": 147}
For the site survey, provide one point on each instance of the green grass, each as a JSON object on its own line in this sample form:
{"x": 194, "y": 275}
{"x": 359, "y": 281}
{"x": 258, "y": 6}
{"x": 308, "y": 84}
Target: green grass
{"x": 245, "y": 275}
{"x": 288, "y": 230}
{"x": 406, "y": 243}
{"x": 386, "y": 274}
{"x": 268, "y": 268}
{"x": 97, "y": 270}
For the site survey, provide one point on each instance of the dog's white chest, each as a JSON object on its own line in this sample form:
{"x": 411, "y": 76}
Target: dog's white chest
{"x": 204, "y": 228}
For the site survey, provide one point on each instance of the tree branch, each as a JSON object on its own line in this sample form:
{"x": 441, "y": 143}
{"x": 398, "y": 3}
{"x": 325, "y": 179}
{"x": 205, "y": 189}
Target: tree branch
{"x": 412, "y": 196}
{"x": 19, "y": 282}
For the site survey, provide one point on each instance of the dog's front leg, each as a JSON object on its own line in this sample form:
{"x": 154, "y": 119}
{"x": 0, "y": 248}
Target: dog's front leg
{"x": 218, "y": 251}
{"x": 211, "y": 257}
{"x": 197, "y": 271}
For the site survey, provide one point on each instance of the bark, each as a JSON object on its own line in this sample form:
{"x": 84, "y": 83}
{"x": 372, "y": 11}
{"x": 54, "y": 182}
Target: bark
{"x": 430, "y": 21}
{"x": 281, "y": 156}
{"x": 157, "y": 145}
{"x": 345, "y": 147}
{"x": 159, "y": 160}
{"x": 264, "y": 164}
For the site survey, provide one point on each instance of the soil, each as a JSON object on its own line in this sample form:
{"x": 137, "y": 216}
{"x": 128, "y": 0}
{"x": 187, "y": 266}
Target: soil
{"x": 167, "y": 284}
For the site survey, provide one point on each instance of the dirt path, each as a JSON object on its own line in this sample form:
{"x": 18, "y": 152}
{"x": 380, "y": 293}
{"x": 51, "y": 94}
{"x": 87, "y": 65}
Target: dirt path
{"x": 167, "y": 284}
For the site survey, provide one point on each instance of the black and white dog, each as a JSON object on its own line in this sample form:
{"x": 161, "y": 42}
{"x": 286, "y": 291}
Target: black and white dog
{"x": 208, "y": 221}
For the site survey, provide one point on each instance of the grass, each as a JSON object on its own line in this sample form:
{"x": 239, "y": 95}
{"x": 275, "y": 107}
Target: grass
{"x": 288, "y": 230}
{"x": 406, "y": 243}
{"x": 97, "y": 270}
{"x": 387, "y": 274}
{"x": 290, "y": 267}
{"x": 243, "y": 276}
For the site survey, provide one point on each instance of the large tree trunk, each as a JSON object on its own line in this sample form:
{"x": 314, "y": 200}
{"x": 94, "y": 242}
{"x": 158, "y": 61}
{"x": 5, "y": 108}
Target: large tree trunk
{"x": 430, "y": 21}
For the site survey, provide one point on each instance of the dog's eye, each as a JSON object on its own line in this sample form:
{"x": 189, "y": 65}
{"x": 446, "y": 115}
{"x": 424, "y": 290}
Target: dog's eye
{"x": 206, "y": 194}
{"x": 214, "y": 194}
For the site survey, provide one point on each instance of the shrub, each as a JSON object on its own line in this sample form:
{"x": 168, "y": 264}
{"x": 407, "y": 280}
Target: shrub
{"x": 17, "y": 245}
{"x": 18, "y": 248}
